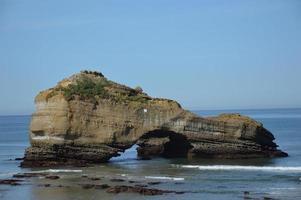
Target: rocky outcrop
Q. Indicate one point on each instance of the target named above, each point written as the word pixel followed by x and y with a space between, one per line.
pixel 89 119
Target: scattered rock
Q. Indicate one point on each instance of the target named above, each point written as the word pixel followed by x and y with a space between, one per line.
pixel 154 183
pixel 181 192
pixel 10 182
pixel 29 175
pixel 88 186
pixel 141 190
pixel 117 180
pixel 95 179
pixel 52 177
pixel 141 185
pixel 32 175
pixel 133 181
pixel 103 186
pixel 44 185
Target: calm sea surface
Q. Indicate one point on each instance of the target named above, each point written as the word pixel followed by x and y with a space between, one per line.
pixel 201 178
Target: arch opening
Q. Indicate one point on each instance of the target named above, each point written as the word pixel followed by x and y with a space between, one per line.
pixel 164 143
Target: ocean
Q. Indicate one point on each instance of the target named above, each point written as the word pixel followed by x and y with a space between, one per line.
pixel 277 178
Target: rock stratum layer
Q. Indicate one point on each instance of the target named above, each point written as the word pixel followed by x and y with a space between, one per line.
pixel 88 119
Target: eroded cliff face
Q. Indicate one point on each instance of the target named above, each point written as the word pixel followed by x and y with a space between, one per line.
pixel 89 119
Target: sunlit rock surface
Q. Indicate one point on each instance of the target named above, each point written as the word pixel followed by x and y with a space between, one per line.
pixel 89 119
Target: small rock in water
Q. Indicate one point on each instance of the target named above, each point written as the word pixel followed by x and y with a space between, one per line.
pixel 117 180
pixel 133 182
pixel 52 177
pixel 103 186
pixel 88 186
pixel 181 192
pixel 30 175
pixel 154 183
pixel 95 179
pixel 10 182
pixel 140 190
pixel 45 185
pixel 139 185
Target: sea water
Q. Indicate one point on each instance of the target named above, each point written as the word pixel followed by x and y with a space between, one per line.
pixel 278 178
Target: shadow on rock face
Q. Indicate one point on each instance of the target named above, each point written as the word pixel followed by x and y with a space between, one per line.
pixel 163 143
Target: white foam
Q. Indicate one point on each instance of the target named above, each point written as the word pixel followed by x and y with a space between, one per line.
pixel 59 171
pixel 240 168
pixel 7 174
pixel 165 178
pixel 289 188
pixel 47 138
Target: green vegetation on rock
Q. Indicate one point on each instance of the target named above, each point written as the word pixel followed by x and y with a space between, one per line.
pixel 92 86
pixel 86 89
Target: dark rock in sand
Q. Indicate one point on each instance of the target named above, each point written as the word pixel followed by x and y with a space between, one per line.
pixel 30 175
pixel 45 185
pixel 94 186
pixel 141 190
pixel 103 186
pixel 88 119
pixel 88 186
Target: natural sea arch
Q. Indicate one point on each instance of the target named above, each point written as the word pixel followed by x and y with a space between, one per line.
pixel 158 142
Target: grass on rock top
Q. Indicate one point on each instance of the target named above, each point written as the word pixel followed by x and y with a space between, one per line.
pixel 88 89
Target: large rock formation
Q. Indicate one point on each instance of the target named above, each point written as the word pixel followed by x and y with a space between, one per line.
pixel 89 119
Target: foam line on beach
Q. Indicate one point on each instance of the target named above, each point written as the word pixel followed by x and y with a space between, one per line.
pixel 240 168
pixel 165 178
pixel 59 171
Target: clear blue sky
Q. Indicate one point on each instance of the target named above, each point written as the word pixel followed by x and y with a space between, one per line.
pixel 210 54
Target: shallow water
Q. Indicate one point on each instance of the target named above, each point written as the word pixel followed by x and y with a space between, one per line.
pixel 278 178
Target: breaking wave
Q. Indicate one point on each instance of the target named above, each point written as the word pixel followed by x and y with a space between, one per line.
pixel 240 168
